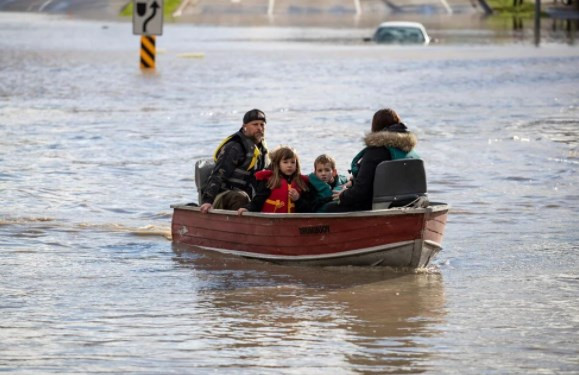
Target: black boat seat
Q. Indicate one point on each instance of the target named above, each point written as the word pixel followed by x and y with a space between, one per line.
pixel 400 183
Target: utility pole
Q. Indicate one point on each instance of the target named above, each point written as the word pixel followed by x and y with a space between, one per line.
pixel 537 22
pixel 358 7
pixel 270 7
pixel 486 7
pixel 446 6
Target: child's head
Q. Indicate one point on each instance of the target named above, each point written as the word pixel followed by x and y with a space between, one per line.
pixel 325 168
pixel 232 199
pixel 284 160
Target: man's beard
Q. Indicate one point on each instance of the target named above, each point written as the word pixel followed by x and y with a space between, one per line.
pixel 256 138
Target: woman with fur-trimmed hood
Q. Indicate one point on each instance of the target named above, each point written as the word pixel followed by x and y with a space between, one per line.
pixel 388 140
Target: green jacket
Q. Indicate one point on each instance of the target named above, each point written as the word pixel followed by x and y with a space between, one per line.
pixel 324 191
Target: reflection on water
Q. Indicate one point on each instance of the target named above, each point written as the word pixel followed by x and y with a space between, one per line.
pixel 355 318
pixel 548 30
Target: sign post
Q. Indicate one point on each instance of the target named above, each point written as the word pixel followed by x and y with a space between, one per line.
pixel 148 22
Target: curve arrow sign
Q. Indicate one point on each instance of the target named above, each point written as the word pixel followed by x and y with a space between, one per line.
pixel 154 6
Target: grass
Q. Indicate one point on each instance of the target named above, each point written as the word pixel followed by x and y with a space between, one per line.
pixel 506 8
pixel 169 7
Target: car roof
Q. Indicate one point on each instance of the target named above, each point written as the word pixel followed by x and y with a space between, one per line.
pixel 416 25
pixel 402 24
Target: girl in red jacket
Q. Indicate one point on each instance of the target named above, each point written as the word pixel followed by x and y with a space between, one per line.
pixel 281 189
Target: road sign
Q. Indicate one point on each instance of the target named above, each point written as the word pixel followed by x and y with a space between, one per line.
pixel 148 17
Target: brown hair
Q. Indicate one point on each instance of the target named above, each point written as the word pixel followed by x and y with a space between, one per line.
pixel 384 118
pixel 231 200
pixel 325 159
pixel 276 156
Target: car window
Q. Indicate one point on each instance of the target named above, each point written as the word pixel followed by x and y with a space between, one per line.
pixel 399 35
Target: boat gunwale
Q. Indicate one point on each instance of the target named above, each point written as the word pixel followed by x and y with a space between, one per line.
pixel 432 208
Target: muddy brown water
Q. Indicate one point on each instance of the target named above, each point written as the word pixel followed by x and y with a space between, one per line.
pixel 93 152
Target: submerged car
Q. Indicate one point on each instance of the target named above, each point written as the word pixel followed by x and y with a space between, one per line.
pixel 400 33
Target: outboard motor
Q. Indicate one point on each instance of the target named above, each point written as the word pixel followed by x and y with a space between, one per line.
pixel 203 169
pixel 400 183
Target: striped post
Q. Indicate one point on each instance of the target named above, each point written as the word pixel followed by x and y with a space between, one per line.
pixel 148 52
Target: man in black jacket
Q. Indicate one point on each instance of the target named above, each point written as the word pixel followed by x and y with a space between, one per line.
pixel 237 158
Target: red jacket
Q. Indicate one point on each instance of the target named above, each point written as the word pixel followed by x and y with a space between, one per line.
pixel 278 200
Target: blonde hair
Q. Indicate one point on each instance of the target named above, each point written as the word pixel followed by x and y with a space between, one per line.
pixel 277 156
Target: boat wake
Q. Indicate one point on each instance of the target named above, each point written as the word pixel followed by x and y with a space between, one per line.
pixel 45 225
pixel 147 230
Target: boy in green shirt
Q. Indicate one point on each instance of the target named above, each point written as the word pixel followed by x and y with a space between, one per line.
pixel 325 180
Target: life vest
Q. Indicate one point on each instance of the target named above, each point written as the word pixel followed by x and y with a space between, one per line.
pixel 355 165
pixel 255 160
pixel 278 200
pixel 395 153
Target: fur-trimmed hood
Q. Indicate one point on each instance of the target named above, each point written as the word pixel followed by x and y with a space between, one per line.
pixel 404 141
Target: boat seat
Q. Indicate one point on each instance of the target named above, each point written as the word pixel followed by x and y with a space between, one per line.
pixel 400 183
pixel 203 169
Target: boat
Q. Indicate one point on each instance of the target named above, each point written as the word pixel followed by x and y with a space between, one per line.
pixel 408 236
pixel 394 237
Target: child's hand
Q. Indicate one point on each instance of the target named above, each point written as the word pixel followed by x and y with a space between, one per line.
pixel 205 207
pixel 241 211
pixel 336 195
pixel 293 194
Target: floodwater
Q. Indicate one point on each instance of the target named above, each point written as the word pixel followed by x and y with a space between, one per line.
pixel 93 152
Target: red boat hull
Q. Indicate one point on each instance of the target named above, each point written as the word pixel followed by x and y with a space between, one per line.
pixel 402 237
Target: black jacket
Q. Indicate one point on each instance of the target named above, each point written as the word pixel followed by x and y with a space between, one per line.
pixel 230 171
pixel 359 196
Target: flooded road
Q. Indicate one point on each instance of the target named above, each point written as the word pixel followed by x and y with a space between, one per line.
pixel 93 152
